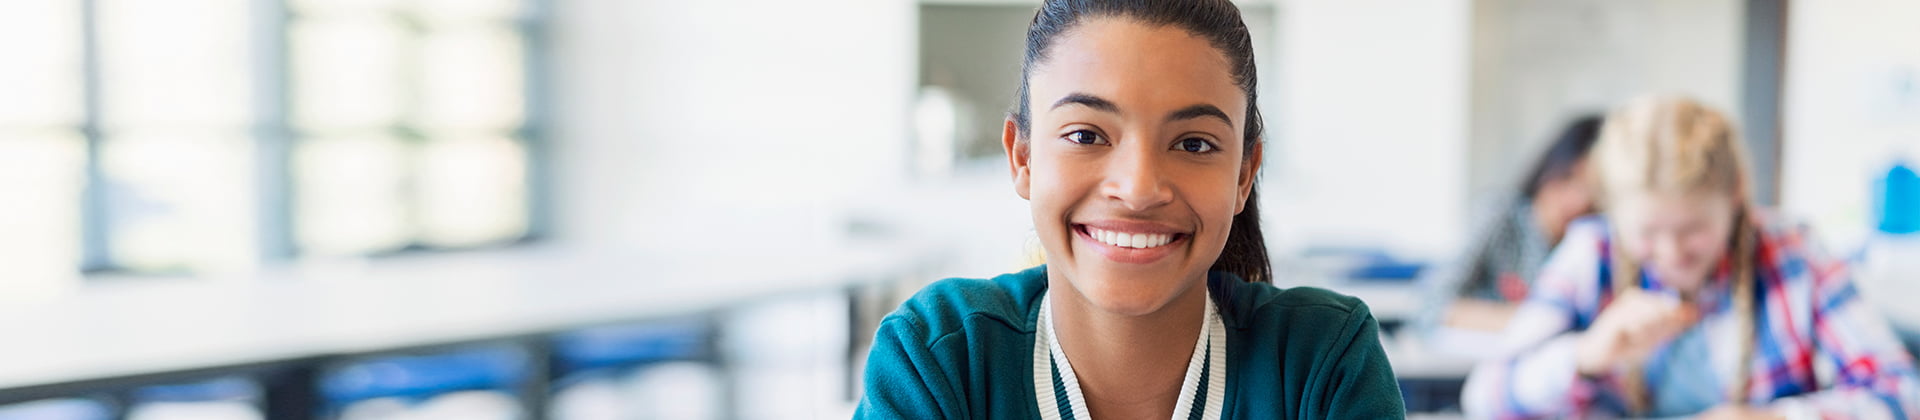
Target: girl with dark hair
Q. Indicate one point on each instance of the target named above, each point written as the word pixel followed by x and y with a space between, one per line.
pixel 1501 265
pixel 1136 139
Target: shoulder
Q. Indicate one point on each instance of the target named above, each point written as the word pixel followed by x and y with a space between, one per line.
pixel 1271 299
pixel 952 305
pixel 1582 251
pixel 1791 250
pixel 1313 339
pixel 1302 312
pixel 1590 231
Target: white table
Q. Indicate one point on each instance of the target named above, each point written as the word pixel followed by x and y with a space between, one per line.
pixel 141 327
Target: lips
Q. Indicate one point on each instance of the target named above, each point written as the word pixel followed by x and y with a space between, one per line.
pixel 1131 242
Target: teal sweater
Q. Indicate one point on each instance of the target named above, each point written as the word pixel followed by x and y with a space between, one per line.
pixel 963 349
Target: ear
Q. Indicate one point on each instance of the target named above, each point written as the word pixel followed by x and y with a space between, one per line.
pixel 1249 169
pixel 1016 157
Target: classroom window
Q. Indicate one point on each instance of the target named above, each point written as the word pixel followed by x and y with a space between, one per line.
pixel 427 101
pixel 197 136
pixel 42 150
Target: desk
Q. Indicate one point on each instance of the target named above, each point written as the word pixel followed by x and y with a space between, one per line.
pixel 1889 279
pixel 138 332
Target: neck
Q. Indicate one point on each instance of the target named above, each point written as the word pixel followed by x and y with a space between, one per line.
pixel 1129 366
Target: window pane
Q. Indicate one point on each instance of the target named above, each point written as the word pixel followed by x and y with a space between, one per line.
pixel 40 44
pixel 472 77
pixel 349 195
pixel 342 6
pixel 42 175
pixel 180 200
pixel 175 62
pixel 457 10
pixel 347 72
pixel 472 191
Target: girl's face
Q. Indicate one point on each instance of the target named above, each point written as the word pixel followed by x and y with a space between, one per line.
pixel 1560 201
pixel 1680 238
pixel 1134 163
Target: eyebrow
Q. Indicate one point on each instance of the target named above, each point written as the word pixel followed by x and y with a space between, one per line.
pixel 1101 104
pixel 1199 110
pixel 1086 100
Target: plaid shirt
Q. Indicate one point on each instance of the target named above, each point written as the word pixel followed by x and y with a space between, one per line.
pixel 1821 351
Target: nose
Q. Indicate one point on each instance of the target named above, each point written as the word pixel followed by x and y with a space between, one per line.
pixel 1135 180
pixel 1666 250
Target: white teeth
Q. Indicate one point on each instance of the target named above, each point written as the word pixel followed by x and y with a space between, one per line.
pixel 1130 240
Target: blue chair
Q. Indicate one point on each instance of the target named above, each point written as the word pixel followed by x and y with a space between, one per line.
pixel 223 389
pixel 417 378
pixel 228 398
pixel 591 362
pixel 630 345
pixel 58 409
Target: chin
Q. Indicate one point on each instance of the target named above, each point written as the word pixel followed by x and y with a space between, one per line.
pixel 1687 281
pixel 1130 292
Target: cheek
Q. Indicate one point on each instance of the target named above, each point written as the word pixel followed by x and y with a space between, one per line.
pixel 1058 185
pixel 1639 248
pixel 1705 249
pixel 1055 182
pixel 1213 198
pixel 1581 202
pixel 1574 201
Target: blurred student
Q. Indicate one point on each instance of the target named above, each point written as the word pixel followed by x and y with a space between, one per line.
pixel 1135 139
pixel 1511 249
pixel 1682 299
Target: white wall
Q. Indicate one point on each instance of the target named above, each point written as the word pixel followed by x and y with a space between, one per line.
pixel 711 124
pixel 1368 140
pixel 1538 63
pixel 1852 107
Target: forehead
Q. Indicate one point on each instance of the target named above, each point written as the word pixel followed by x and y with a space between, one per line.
pixel 1136 65
pixel 1673 208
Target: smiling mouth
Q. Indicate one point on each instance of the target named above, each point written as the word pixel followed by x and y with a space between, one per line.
pixel 1136 240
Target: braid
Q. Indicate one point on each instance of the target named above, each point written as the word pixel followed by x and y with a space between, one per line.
pixel 1626 277
pixel 1745 239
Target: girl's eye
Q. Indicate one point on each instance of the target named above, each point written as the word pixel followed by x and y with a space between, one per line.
pixel 1085 137
pixel 1194 145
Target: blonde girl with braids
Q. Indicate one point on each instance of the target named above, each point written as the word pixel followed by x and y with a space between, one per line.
pixel 1682 299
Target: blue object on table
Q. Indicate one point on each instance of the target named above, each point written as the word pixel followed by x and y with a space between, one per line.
pixel 425 376
pixel 1367 263
pixel 57 409
pixel 1381 266
pixel 1391 271
pixel 631 344
pixel 223 389
pixel 1900 201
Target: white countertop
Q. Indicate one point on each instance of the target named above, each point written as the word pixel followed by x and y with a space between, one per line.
pixel 121 328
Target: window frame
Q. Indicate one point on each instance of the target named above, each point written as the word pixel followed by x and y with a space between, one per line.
pixel 274 136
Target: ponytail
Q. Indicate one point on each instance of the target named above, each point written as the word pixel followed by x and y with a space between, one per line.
pixel 1246 252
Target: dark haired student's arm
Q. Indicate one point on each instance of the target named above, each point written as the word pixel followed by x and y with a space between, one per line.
pixel 903 380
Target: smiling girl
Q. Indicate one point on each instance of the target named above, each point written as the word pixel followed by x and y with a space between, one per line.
pixel 1136 139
